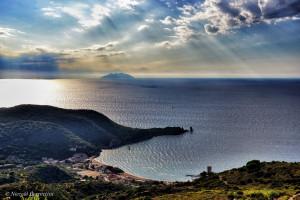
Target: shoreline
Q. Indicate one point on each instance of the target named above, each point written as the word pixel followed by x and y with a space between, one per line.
pixel 125 173
pixel 99 170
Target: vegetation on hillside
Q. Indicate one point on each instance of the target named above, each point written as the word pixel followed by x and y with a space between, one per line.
pixel 30 132
pixel 270 180
pixel 48 174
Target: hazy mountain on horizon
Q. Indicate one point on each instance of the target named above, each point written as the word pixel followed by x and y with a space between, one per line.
pixel 117 76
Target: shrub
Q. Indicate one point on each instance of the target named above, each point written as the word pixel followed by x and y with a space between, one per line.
pixel 274 195
pixel 230 196
pixel 203 174
pixel 253 166
pixel 249 181
pixel 258 196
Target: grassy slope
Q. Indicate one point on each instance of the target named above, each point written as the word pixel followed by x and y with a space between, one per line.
pixel 256 180
pixel 206 187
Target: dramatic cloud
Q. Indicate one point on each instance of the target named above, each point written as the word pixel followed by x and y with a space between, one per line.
pixel 222 16
pixel 45 59
pixel 274 9
pixel 156 36
pixel 90 15
pixel 86 15
pixel 127 4
pixel 34 63
pixel 97 50
pixel 211 28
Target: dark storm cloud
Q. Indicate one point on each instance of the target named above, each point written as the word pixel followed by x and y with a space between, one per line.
pixel 220 16
pixel 33 63
pixel 284 9
pixel 210 28
pixel 246 13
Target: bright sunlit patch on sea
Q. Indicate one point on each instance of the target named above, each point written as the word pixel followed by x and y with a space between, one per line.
pixel 27 91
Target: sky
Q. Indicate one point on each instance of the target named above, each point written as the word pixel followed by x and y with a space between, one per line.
pixel 168 38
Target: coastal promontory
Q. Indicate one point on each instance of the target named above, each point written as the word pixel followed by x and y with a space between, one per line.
pixel 32 132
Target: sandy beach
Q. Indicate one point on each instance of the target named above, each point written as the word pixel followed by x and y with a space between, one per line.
pixel 95 170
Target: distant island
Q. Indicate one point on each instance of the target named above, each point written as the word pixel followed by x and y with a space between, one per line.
pixel 117 76
pixel 31 132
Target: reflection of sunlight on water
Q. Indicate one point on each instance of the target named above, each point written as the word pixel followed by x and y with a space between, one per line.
pixel 27 91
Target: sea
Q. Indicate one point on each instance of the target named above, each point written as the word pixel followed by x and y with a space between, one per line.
pixel 234 120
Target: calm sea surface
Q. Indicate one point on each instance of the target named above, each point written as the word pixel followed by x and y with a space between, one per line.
pixel 234 121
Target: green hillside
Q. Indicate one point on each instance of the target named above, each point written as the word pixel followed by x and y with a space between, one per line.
pixel 31 132
pixel 48 174
pixel 281 184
